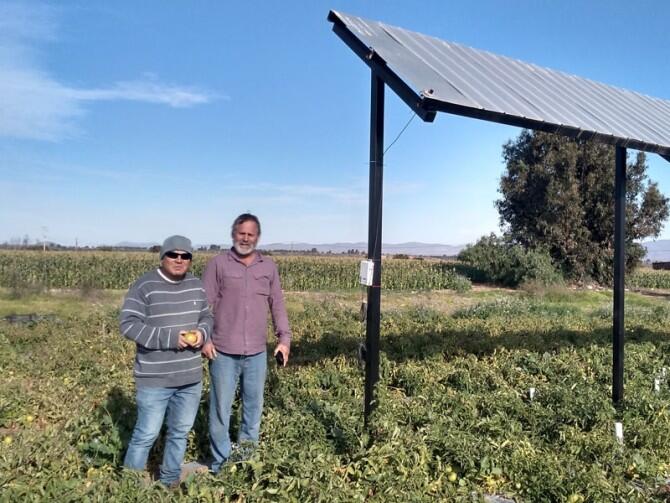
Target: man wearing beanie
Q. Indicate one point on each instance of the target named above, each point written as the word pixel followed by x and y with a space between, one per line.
pixel 166 315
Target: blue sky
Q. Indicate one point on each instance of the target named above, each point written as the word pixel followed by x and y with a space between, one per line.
pixel 131 121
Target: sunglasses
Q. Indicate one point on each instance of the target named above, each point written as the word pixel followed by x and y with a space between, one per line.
pixel 175 255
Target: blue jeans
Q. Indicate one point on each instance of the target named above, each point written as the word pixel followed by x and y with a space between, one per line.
pixel 181 404
pixel 224 371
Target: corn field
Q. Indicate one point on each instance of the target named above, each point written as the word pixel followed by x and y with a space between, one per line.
pixel 649 278
pixel 117 270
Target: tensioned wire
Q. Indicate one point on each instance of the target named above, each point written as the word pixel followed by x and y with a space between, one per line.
pixel 383 154
pixel 363 317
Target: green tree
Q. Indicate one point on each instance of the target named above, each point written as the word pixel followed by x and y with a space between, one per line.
pixel 558 195
pixel 494 260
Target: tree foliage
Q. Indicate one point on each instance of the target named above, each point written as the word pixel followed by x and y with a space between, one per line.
pixel 493 259
pixel 558 194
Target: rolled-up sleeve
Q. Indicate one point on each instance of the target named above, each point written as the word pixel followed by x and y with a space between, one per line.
pixel 278 310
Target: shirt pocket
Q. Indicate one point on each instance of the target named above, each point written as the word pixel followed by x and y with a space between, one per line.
pixel 233 280
pixel 230 286
pixel 261 283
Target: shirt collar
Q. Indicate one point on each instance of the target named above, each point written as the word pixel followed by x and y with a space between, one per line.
pixel 162 275
pixel 233 256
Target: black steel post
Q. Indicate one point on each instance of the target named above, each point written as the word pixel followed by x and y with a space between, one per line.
pixel 619 270
pixel 374 241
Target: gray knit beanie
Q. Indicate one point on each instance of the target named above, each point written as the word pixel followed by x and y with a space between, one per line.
pixel 176 243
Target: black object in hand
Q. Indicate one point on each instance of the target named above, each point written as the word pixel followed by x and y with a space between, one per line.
pixel 280 358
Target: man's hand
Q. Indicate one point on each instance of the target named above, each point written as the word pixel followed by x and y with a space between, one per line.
pixel 209 351
pixel 284 350
pixel 186 339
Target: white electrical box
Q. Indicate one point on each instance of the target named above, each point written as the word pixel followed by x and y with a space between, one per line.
pixel 367 270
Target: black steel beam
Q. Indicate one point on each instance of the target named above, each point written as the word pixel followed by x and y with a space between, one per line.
pixel 523 122
pixel 374 242
pixel 379 67
pixel 619 270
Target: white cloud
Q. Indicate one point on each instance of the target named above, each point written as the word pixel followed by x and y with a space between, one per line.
pixel 354 194
pixel 35 105
pixel 288 193
pixel 147 91
pixel 20 22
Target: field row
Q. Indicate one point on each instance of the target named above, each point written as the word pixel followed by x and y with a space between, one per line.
pixel 116 270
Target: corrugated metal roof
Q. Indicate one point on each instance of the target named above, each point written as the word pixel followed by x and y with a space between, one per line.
pixel 434 75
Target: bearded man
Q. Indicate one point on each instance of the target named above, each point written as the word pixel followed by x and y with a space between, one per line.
pixel 241 286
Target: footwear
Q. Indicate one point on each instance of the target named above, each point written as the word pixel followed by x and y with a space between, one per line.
pixel 172 486
pixel 242 451
pixel 191 468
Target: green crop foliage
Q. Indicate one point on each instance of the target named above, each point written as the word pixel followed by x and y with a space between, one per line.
pixel 648 278
pixel 116 270
pixel 453 399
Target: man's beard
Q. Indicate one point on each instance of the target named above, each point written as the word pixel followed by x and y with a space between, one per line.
pixel 243 250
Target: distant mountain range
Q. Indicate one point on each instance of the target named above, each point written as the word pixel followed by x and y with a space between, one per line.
pixel 411 248
pixel 657 251
pixel 131 244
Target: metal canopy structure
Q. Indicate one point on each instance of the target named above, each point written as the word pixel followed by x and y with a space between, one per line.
pixel 431 75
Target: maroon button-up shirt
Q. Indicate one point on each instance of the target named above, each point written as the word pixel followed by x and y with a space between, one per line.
pixel 240 296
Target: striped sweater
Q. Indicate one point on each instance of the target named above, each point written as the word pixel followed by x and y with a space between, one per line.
pixel 154 311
